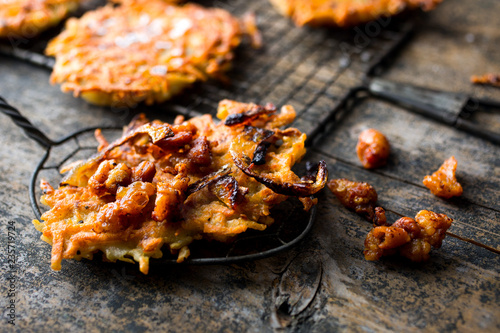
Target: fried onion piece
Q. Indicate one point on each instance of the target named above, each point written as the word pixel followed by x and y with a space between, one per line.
pixel 247 117
pixel 226 189
pixel 28 18
pixel 443 182
pixel 411 238
pixel 183 135
pixel 275 172
pixel 108 177
pixel 300 188
pixel 80 174
pixel 163 185
pixel 259 155
pixel 170 193
pixel 345 13
pixel 273 179
pixel 208 179
pixel 360 197
pixel 143 51
pixel 259 136
pixel 199 153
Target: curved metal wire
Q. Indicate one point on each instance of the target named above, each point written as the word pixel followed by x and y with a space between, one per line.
pixel 28 128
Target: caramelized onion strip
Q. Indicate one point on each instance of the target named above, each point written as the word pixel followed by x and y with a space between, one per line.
pixel 246 117
pixel 259 136
pixel 207 180
pixel 299 189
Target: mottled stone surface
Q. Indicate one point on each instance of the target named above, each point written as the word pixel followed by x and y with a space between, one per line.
pixel 324 284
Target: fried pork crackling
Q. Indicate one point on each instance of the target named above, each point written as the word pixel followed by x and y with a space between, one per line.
pixel 163 185
pixel 443 183
pixel 408 237
pixel 345 13
pixel 28 18
pixel 143 51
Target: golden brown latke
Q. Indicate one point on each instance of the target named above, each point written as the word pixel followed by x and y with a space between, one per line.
pixel 345 13
pixel 142 51
pixel 168 185
pixel 28 18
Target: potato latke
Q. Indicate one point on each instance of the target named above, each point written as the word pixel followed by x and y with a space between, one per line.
pixel 169 185
pixel 142 51
pixel 28 18
pixel 345 13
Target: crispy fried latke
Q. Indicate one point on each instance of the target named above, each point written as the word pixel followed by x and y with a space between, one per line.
pixel 143 51
pixel 345 13
pixel 168 185
pixel 28 18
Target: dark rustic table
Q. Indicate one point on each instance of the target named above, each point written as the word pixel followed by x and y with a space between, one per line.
pixel 324 284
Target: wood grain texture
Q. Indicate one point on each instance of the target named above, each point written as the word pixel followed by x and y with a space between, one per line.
pixel 324 284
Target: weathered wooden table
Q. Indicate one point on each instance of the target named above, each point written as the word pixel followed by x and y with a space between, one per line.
pixel 324 284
